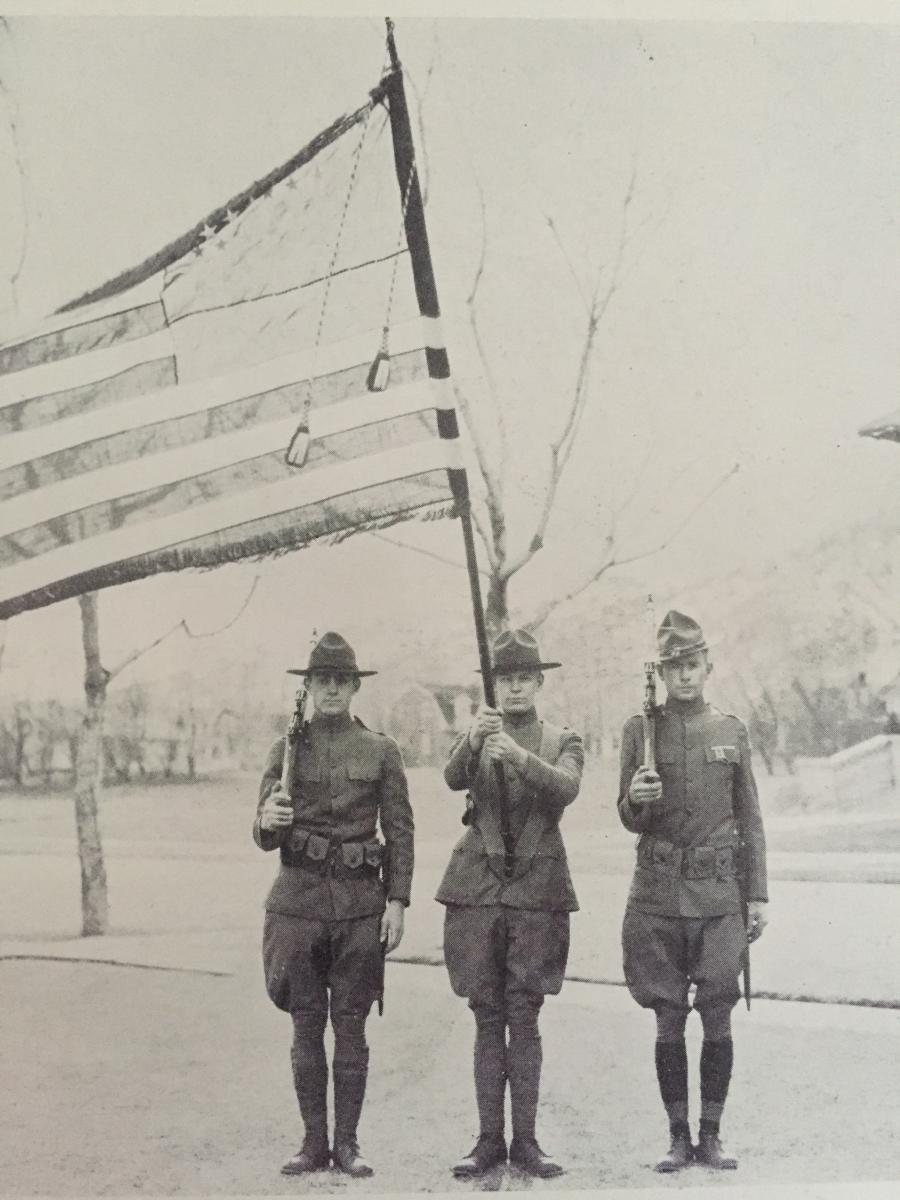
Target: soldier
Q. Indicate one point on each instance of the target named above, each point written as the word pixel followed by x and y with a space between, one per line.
pixel 506 931
pixel 327 926
pixel 699 823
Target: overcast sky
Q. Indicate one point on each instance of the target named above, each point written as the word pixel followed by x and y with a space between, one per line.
pixel 757 314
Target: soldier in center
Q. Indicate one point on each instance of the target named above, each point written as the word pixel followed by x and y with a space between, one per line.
pixel 506 932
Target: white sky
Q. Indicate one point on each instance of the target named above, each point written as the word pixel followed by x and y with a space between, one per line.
pixel 758 313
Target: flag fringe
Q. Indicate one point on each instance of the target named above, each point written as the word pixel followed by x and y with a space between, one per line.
pixel 256 548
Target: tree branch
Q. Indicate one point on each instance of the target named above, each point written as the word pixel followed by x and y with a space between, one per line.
pixel 182 625
pixel 612 561
pixel 581 292
pixel 447 562
pixel 12 107
pixel 561 447
pixel 421 97
pixel 471 306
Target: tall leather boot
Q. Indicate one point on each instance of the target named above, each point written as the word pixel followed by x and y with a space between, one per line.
pixel 716 1062
pixel 490 1093
pixel 310 1071
pixel 350 1070
pixel 524 1059
pixel 672 1075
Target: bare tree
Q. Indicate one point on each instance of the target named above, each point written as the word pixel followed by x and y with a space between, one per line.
pixel 89 761
pixel 507 556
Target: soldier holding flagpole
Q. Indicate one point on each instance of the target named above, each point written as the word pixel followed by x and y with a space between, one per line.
pixel 508 896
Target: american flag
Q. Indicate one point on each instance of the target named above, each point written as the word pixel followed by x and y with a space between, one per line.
pixel 144 427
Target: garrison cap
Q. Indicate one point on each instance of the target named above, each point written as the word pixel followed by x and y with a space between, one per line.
pixel 331 653
pixel 678 636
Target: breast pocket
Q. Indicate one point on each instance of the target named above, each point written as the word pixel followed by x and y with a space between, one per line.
pixel 363 775
pixel 306 780
pixel 721 763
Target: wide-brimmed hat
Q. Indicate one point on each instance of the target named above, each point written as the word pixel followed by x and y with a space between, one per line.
pixel 331 653
pixel 517 650
pixel 679 636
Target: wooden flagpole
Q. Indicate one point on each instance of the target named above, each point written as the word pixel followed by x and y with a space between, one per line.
pixel 439 368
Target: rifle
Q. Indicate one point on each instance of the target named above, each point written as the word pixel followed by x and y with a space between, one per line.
pixel 648 709
pixel 745 917
pixel 293 737
pixel 295 730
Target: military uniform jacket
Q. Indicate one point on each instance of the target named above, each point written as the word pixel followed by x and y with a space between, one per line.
pixel 707 827
pixel 347 782
pixel 537 800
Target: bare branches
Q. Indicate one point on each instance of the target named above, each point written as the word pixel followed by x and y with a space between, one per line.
pixel 421 97
pixel 568 261
pixel 13 116
pixel 609 560
pixel 561 447
pixel 496 482
pixel 182 625
pixel 447 562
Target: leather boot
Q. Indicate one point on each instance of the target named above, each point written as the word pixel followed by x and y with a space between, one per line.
pixel 310 1073
pixel 708 1152
pixel 313 1155
pixel 527 1155
pixel 524 1058
pixel 488 1152
pixel 349 1092
pixel 679 1155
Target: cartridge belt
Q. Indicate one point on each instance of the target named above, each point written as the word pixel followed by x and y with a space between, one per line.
pixel 325 856
pixel 687 862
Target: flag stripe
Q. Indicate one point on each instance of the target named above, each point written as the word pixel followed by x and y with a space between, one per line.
pixel 179 495
pixel 159 470
pixel 83 369
pixel 384 504
pixel 231 511
pixel 168 403
pixel 60 406
pixel 171 434
pixel 120 318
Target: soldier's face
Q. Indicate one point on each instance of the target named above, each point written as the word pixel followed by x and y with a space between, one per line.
pixel 516 692
pixel 332 692
pixel 686 677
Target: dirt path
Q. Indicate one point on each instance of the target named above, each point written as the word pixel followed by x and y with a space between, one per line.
pixel 127 1081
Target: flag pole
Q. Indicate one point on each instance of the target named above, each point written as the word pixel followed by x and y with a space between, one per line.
pixel 439 368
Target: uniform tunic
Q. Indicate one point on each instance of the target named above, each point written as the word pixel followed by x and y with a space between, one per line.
pixel 501 931
pixel 693 844
pixel 323 909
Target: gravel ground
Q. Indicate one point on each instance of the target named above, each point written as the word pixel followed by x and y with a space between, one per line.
pixel 135 1081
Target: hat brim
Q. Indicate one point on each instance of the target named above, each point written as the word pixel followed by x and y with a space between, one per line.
pixel 549 666
pixel 336 670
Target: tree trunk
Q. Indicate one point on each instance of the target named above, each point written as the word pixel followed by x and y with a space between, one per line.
pixel 496 612
pixel 88 763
